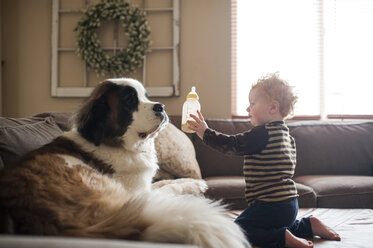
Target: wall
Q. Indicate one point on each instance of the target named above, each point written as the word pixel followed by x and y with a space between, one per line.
pixel 204 58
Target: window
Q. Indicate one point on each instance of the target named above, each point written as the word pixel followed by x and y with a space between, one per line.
pixel 321 47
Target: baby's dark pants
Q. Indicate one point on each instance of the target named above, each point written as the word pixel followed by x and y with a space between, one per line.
pixel 265 223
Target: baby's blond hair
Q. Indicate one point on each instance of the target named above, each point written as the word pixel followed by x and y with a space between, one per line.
pixel 279 90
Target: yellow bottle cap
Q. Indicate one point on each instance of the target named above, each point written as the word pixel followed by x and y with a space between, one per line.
pixel 193 93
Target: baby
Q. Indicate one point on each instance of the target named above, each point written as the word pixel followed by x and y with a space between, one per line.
pixel 269 162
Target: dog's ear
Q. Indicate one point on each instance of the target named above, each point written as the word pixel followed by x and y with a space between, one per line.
pixel 91 119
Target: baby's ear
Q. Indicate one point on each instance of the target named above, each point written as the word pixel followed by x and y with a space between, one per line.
pixel 275 106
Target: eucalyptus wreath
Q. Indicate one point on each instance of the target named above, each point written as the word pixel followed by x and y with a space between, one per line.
pixel 135 26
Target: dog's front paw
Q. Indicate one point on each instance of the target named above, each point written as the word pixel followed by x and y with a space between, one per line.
pixel 192 186
pixel 202 185
pixel 182 186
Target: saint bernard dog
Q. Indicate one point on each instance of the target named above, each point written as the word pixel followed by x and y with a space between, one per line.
pixel 95 181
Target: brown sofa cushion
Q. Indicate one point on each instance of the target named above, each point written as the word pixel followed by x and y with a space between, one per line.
pixel 225 187
pixel 340 191
pixel 231 189
pixel 21 135
pixel 212 162
pixel 307 196
pixel 343 148
pixel 216 163
pixel 334 147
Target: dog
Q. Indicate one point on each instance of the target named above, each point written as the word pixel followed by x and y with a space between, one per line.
pixel 95 181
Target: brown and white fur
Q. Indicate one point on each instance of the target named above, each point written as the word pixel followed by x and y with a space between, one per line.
pixel 95 180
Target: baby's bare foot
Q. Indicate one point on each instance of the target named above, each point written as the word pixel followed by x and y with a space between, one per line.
pixel 292 241
pixel 325 232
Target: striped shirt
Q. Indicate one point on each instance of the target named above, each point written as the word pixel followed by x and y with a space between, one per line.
pixel 269 160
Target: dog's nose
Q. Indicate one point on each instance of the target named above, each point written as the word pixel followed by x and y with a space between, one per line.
pixel 158 107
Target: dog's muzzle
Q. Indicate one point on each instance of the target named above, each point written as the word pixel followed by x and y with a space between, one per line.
pixel 158 109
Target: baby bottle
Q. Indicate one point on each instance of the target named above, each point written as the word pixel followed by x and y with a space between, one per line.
pixel 191 105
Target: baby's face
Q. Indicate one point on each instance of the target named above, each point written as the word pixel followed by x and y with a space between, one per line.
pixel 259 109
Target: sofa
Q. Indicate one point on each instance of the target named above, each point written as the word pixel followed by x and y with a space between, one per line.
pixel 334 168
pixel 334 159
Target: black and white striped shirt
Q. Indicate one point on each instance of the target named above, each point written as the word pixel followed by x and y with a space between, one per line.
pixel 269 160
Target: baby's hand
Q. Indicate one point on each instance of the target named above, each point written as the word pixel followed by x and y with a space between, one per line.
pixel 198 125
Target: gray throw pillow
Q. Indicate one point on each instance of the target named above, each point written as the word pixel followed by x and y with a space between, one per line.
pixel 19 136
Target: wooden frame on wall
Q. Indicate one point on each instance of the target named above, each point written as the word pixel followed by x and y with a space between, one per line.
pixel 83 87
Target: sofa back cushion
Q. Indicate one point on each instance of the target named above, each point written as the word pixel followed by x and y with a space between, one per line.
pixel 344 148
pixel 64 120
pixel 212 162
pixel 18 136
pixel 334 147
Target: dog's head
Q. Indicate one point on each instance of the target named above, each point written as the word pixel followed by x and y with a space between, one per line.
pixel 118 108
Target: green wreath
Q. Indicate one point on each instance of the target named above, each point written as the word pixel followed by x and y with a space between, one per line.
pixel 134 25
